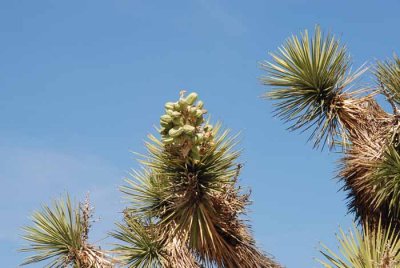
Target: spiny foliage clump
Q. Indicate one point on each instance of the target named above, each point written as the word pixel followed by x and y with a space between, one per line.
pixel 378 248
pixel 186 207
pixel 312 86
pixel 60 234
pixel 309 77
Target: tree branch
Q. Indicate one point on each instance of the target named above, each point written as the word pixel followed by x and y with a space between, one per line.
pixel 389 98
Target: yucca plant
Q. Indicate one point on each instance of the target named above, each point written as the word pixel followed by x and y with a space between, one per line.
pixel 313 87
pixel 59 234
pixel 366 248
pixel 186 207
pixel 309 77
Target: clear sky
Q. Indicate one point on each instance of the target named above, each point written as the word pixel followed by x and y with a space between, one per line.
pixel 83 82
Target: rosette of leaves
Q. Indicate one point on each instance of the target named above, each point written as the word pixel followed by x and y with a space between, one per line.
pixel 388 75
pixel 384 180
pixel 144 246
pixel 366 248
pixel 188 190
pixel 308 77
pixel 60 235
pixel 141 247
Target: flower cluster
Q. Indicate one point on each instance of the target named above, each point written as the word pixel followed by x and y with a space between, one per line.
pixel 183 128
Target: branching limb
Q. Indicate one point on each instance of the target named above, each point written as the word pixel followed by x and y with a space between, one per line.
pixel 389 98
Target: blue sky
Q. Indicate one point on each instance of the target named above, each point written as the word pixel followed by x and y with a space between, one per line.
pixel 83 82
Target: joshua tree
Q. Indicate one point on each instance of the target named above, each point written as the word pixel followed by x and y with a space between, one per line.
pixel 60 234
pixel 312 86
pixel 186 206
pixel 186 209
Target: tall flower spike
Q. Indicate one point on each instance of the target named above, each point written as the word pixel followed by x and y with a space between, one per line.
pixel 181 127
